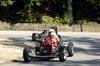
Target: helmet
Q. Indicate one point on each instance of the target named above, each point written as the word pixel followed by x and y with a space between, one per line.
pixel 52 32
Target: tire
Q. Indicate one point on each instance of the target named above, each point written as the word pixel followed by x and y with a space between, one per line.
pixel 26 56
pixel 70 49
pixel 33 36
pixel 62 54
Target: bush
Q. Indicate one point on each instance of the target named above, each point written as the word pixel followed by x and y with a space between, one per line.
pixel 83 21
pixel 57 20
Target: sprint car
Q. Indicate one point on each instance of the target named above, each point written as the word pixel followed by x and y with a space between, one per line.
pixel 42 47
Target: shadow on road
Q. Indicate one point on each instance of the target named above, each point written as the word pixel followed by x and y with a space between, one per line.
pixel 94 44
pixel 95 62
pixel 15 41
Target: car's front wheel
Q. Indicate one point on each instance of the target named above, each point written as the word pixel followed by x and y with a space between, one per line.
pixel 26 56
pixel 62 54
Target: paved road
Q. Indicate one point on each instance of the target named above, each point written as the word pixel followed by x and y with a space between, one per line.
pixel 87 49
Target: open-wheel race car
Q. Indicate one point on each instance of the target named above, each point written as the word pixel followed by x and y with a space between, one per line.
pixel 47 45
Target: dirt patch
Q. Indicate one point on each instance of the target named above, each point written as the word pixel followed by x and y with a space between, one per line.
pixel 10 53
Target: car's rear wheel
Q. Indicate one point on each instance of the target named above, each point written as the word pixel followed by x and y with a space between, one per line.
pixel 62 54
pixel 70 49
pixel 33 36
pixel 26 56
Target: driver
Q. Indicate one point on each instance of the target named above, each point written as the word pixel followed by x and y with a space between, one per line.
pixel 53 36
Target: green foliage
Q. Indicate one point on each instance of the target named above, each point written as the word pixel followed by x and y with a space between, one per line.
pixel 6 3
pixel 55 11
pixel 61 20
pixel 29 19
pixel 83 21
pixel 98 19
pixel 96 2
pixel 32 2
pixel 65 18
pixel 57 20
pixel 46 19
pixel 28 6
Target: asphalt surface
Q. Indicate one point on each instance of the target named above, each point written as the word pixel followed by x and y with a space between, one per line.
pixel 86 45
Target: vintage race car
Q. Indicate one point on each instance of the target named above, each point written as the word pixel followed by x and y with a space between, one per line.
pixel 43 47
